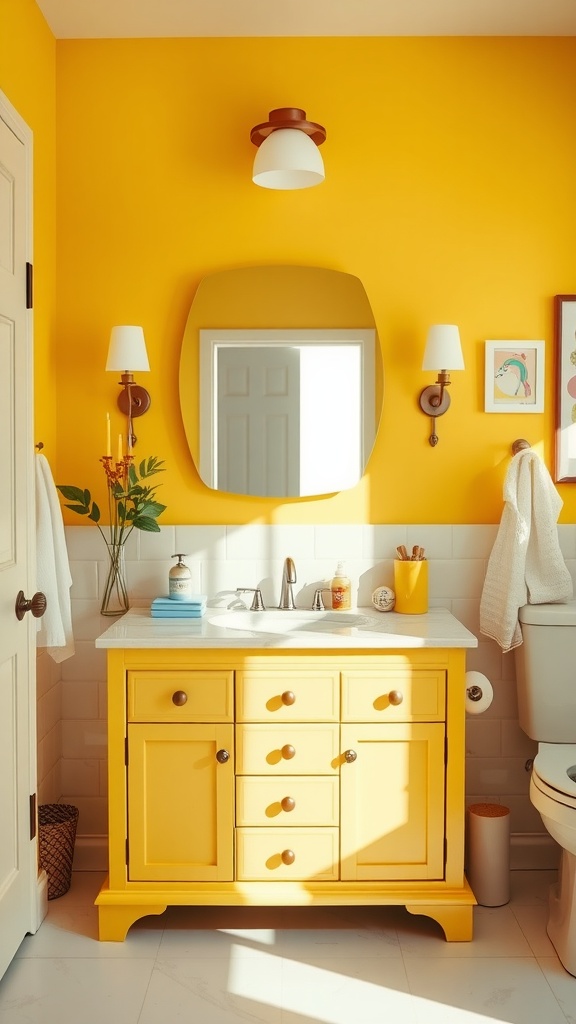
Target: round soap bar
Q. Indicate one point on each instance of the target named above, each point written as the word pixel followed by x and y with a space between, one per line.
pixel 383 599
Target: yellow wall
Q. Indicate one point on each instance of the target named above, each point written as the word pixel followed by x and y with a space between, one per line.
pixel 28 79
pixel 449 193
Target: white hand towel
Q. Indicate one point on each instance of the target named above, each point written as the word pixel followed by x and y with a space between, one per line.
pixel 526 565
pixel 52 567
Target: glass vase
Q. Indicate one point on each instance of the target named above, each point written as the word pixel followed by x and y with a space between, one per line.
pixel 115 597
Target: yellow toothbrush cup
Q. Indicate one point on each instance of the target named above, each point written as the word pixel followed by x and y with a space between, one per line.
pixel 411 586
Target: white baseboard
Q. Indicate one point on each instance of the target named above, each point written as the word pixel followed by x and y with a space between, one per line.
pixel 91 853
pixel 533 851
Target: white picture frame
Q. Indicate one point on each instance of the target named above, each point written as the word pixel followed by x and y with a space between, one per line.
pixel 514 376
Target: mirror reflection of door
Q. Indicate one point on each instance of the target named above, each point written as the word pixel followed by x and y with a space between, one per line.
pixel 285 413
pixel 257 448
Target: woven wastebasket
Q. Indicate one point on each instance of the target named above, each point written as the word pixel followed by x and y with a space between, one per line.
pixel 56 836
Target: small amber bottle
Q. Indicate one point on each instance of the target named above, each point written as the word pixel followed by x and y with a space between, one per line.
pixel 341 589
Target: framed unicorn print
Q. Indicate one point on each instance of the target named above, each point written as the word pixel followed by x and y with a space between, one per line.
pixel 514 380
pixel 565 333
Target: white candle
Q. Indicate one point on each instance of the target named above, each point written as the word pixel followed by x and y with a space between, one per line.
pixel 119 447
pixel 108 443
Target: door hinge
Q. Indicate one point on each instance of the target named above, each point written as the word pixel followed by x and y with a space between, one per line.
pixel 29 286
pixel 33 815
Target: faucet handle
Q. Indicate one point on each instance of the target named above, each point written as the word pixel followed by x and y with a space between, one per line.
pixel 257 602
pixel 318 604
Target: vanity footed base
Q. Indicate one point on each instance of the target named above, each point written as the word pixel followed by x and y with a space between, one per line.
pixel 119 909
pixel 456 922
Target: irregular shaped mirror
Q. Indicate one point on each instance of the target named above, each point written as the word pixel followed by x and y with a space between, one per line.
pixel 280 381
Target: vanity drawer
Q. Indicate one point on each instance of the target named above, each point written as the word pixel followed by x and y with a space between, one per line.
pixel 312 696
pixel 394 695
pixel 293 749
pixel 187 696
pixel 287 803
pixel 296 854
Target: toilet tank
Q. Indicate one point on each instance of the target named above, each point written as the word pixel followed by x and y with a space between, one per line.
pixel 546 672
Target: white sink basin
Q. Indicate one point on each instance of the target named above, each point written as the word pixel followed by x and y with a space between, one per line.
pixel 280 622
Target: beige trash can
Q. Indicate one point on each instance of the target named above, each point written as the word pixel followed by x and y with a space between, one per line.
pixel 489 853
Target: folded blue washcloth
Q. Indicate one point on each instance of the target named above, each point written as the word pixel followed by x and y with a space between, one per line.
pixel 194 601
pixel 174 614
pixel 159 613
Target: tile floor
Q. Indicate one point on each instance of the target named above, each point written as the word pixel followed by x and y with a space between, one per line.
pixel 290 966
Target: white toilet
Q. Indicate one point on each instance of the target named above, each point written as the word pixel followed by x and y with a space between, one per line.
pixel 546 680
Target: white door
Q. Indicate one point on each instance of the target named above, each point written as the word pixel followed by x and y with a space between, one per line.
pixel 259 420
pixel 17 663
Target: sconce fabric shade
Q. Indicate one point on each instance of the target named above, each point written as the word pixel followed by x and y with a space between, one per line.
pixel 127 349
pixel 288 159
pixel 443 349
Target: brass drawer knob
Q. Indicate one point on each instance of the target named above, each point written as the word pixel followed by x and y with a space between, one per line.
pixel 288 751
pixel 288 803
pixel 288 856
pixel 222 756
pixel 179 698
pixel 350 756
pixel 395 697
pixel 288 697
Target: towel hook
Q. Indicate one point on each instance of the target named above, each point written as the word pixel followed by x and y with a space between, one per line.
pixel 519 445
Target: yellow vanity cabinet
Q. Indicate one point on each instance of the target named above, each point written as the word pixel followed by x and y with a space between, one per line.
pixel 311 777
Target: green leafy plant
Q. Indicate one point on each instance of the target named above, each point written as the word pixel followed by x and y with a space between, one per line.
pixel 132 505
pixel 131 502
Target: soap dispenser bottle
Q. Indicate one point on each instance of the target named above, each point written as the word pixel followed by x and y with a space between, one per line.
pixel 341 589
pixel 179 580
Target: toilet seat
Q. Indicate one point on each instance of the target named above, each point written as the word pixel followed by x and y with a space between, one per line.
pixel 550 772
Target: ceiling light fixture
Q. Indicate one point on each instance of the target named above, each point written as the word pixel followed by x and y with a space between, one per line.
pixel 288 155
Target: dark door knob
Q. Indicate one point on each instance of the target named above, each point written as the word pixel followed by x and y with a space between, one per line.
pixel 36 605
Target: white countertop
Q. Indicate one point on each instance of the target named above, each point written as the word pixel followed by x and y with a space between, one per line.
pixel 375 631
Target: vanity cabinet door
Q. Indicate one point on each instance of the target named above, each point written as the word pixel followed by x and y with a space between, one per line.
pixel 392 802
pixel 180 802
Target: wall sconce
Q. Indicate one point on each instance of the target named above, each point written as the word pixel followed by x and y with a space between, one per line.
pixel 288 155
pixel 127 353
pixel 443 353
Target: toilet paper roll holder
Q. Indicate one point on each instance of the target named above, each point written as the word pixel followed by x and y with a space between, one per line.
pixel 475 693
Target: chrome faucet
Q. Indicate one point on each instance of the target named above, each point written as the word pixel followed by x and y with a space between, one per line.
pixel 288 578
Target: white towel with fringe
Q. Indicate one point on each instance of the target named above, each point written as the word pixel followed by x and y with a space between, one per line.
pixel 52 567
pixel 526 565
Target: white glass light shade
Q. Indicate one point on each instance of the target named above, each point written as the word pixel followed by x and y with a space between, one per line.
pixel 127 350
pixel 288 159
pixel 443 348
